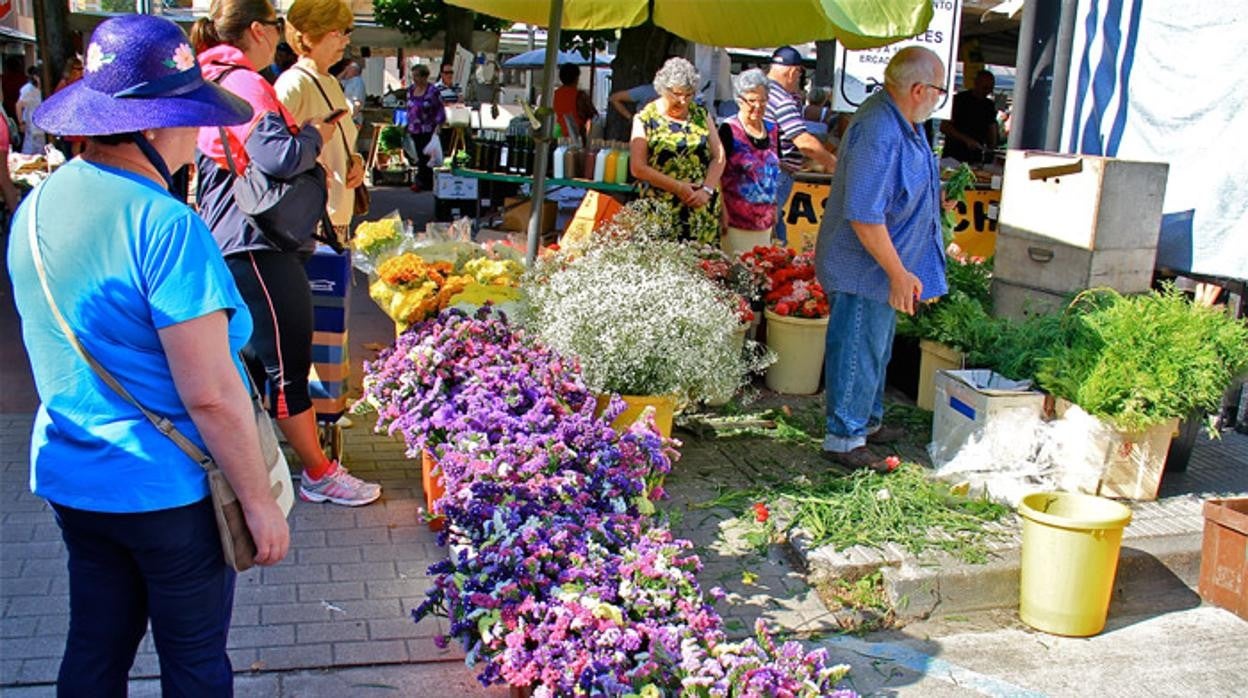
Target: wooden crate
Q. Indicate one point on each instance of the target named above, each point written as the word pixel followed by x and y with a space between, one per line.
pixel 1085 201
pixel 1224 555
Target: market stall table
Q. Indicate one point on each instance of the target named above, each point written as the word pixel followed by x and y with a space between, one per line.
pixel 552 185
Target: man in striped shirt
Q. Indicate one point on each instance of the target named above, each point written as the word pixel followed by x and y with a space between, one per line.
pixel 785 108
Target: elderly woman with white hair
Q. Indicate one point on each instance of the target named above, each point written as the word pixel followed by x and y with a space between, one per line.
pixel 676 154
pixel 752 171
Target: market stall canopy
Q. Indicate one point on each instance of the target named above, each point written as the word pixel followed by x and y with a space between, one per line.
pixel 537 58
pixel 856 25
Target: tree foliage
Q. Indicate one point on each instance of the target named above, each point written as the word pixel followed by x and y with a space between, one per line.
pixel 422 19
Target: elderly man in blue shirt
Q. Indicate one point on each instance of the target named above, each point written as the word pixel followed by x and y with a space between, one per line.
pixel 879 249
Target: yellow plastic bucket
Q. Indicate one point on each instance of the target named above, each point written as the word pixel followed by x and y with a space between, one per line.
pixel 664 409
pixel 1070 556
pixel 798 343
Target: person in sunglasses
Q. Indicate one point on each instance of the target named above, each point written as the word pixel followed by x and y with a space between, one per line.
pixel 234 39
pixel 445 84
pixel 320 31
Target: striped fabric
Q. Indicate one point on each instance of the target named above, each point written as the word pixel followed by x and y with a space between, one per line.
pixel 784 109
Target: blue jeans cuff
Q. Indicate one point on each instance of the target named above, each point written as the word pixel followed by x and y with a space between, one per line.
pixel 842 444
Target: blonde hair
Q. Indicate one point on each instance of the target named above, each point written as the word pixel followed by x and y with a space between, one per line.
pixel 308 21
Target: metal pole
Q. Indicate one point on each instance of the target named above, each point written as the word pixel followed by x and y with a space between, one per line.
pixel 1023 66
pixel 1061 76
pixel 542 154
pixel 528 74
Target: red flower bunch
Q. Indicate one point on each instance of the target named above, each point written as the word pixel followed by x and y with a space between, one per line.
pixel 791 286
pixel 761 513
pixel 732 276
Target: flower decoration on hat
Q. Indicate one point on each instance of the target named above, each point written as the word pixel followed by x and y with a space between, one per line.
pixel 96 58
pixel 183 58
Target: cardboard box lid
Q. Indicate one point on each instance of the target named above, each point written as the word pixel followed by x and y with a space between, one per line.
pixel 990 382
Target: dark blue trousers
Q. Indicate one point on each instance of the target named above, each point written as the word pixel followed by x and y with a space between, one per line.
pixel 126 569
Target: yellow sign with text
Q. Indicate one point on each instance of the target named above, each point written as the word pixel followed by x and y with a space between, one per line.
pixel 803 212
pixel 974 227
pixel 975 222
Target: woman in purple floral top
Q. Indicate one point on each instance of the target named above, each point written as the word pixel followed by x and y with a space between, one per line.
pixel 425 114
pixel 749 181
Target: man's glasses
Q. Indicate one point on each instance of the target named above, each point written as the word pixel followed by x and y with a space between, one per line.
pixel 938 88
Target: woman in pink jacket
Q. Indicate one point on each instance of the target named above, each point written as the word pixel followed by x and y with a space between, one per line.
pixel 235 37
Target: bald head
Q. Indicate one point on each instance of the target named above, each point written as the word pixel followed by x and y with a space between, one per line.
pixel 915 79
pixel 913 64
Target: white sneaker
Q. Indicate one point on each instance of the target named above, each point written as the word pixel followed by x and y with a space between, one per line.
pixel 338 486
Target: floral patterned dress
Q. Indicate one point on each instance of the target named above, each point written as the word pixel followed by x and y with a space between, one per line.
pixel 681 149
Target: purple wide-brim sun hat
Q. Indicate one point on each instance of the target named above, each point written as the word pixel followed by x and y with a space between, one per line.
pixel 139 73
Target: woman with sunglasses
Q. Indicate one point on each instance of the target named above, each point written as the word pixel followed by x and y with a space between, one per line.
pixel 234 39
pixel 319 31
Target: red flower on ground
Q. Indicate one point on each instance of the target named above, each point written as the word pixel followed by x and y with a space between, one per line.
pixel 761 514
pixel 892 462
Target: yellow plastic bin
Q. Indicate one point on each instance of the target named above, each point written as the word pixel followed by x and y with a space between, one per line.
pixel 1070 557
pixel 798 343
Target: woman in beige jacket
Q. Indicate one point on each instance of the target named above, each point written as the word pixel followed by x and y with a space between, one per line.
pixel 319 31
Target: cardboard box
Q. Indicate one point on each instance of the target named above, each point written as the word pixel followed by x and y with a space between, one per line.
pixel 448 186
pixel 966 400
pixel 1084 201
pixel 1132 461
pixel 516 213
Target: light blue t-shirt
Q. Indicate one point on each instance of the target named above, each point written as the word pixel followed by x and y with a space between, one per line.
pixel 124 258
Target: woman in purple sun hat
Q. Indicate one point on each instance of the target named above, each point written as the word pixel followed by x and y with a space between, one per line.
pixel 140 283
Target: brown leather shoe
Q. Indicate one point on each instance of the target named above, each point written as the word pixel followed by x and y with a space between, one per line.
pixel 887 434
pixel 860 458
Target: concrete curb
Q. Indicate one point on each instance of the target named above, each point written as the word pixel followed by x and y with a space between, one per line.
pixel 939 585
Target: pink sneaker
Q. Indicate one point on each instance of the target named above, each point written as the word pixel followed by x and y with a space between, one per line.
pixel 340 487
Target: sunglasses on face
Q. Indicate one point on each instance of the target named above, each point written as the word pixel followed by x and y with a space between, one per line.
pixel 279 23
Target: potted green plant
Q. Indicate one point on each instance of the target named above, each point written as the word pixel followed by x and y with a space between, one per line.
pixel 1140 364
pixel 950 328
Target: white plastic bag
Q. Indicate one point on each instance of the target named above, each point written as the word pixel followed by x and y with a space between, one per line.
pixel 434 151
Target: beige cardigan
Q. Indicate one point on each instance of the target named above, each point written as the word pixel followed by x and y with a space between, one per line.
pixel 300 96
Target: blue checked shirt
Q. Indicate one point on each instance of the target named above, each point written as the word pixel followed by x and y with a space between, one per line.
pixel 885 173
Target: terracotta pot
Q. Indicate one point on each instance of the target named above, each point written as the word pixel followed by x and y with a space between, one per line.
pixel 431 483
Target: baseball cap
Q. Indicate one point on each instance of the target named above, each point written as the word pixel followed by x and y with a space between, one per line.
pixel 786 55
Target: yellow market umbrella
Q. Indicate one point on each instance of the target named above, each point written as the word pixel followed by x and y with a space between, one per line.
pixel 856 24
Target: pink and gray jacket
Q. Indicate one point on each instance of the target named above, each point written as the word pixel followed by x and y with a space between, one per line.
pixel 271 140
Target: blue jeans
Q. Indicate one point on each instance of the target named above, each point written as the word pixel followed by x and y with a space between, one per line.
pixel 859 344
pixel 784 186
pixel 126 568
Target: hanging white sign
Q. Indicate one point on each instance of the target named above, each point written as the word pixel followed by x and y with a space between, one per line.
pixel 860 73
